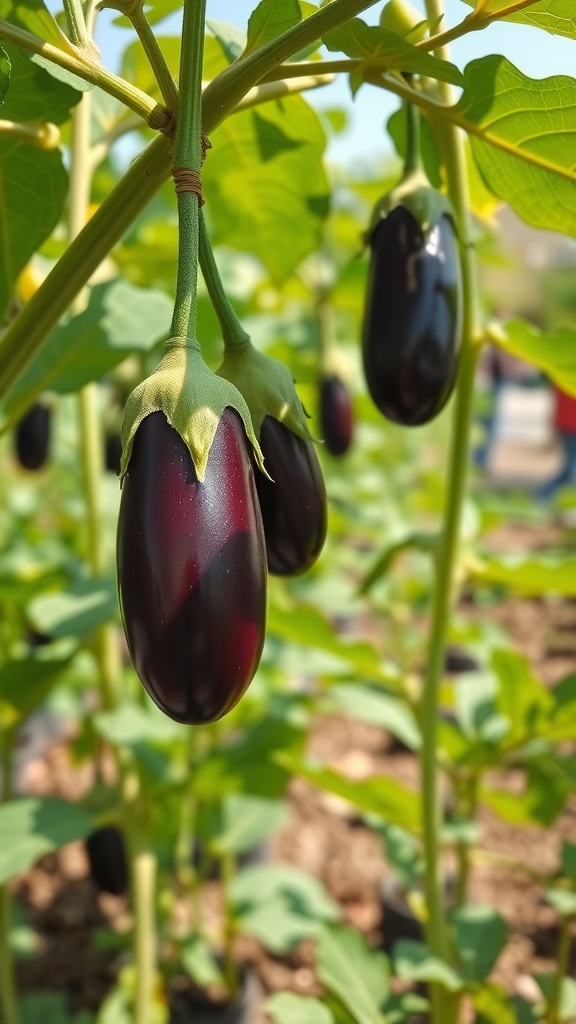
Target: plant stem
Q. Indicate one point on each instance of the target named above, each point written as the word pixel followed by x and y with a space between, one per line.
pixel 156 59
pixel 91 71
pixel 45 136
pixel 413 160
pixel 277 90
pixel 78 28
pixel 233 333
pixel 143 861
pixel 444 1008
pixel 562 970
pixel 188 156
pixel 473 22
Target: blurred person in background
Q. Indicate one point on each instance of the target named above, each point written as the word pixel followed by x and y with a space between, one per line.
pixel 565 427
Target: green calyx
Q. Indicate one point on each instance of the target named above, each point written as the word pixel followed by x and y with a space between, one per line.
pixel 416 194
pixel 267 386
pixel 192 398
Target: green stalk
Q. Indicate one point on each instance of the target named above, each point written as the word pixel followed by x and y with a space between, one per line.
pixel 143 861
pixel 413 162
pixel 156 59
pixel 562 969
pixel 188 156
pixel 444 1007
pixel 8 997
pixel 233 333
pixel 44 136
pixel 79 33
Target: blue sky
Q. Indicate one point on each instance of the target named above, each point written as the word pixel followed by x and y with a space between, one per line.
pixel 535 52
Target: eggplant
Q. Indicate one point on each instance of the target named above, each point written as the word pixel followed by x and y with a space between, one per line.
pixel 336 422
pixel 32 438
pixel 107 858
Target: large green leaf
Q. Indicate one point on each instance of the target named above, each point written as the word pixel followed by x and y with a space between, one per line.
pixel 556 16
pixel 521 697
pixel 34 16
pixel 242 820
pixel 357 974
pixel 32 827
pixel 523 134
pixel 77 611
pixel 269 20
pixel 34 95
pixel 381 795
pixel 118 320
pixel 265 184
pixel 33 187
pixel 370 705
pixel 552 351
pixel 415 963
pixel 372 43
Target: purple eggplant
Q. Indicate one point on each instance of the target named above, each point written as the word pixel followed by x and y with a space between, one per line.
pixel 336 421
pixel 192 569
pixel 32 440
pixel 293 503
pixel 107 858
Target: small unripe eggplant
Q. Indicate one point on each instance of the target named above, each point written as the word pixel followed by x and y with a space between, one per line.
pixel 32 440
pixel 293 503
pixel 192 569
pixel 412 321
pixel 107 858
pixel 336 422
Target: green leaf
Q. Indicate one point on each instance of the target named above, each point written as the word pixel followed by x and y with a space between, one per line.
pixel 414 962
pixel 563 901
pixel 392 52
pixel 263 175
pixel 376 708
pixel 530 574
pixel 231 39
pixel 353 971
pixel 32 827
pixel 269 20
pixel 5 68
pixel 568 860
pixel 24 684
pixel 523 134
pixel 77 611
pixel 198 960
pixel 379 795
pixel 567 996
pixel 551 351
pixel 521 697
pixel 290 1008
pixel 245 821
pixel 412 540
pixel 34 95
pixel 34 16
pixel 245 766
pixel 480 934
pixel 305 624
pixel 33 187
pixel 494 1006
pixel 119 319
pixel 132 724
pixel 50 1008
pixel 556 16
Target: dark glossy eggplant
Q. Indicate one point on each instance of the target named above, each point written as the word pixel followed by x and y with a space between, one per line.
pixel 412 320
pixel 192 569
pixel 293 503
pixel 32 440
pixel 336 421
pixel 107 858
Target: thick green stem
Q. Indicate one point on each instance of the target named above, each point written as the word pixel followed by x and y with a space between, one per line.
pixel 188 158
pixel 144 894
pixel 44 136
pixel 413 160
pixel 79 32
pixel 233 333
pixel 446 564
pixel 156 58
pixel 562 970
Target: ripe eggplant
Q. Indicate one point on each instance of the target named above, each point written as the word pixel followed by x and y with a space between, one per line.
pixel 107 859
pixel 32 440
pixel 293 503
pixel 192 569
pixel 412 321
pixel 335 415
